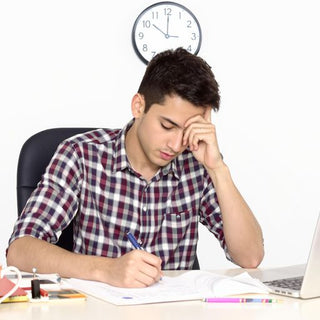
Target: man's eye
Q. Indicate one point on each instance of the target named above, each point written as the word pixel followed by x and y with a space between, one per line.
pixel 165 127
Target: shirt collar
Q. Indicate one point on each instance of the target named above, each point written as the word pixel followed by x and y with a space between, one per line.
pixel 121 162
pixel 171 167
pixel 120 159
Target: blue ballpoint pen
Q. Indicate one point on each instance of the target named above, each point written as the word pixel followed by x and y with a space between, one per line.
pixel 134 241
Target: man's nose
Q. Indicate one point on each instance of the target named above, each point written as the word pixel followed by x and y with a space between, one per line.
pixel 175 142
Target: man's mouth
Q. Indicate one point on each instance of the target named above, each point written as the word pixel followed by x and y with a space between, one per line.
pixel 166 156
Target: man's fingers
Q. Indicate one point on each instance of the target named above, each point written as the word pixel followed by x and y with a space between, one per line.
pixel 136 269
pixel 195 119
pixel 196 133
pixel 147 279
pixel 147 268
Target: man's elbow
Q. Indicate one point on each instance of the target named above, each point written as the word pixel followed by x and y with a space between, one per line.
pixel 253 261
pixel 249 261
pixel 11 254
pixel 17 252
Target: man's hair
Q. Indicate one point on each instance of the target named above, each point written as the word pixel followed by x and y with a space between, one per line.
pixel 178 72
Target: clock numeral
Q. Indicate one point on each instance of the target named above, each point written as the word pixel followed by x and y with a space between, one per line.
pixel 146 23
pixel 194 36
pixel 189 23
pixel 189 48
pixel 140 35
pixel 167 11
pixel 155 15
pixel 145 48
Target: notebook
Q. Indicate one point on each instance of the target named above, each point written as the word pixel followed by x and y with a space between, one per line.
pixel 307 285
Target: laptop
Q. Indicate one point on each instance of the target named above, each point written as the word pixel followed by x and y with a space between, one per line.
pixel 304 286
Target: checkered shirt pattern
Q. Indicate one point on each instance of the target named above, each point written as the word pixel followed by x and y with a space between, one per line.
pixel 90 181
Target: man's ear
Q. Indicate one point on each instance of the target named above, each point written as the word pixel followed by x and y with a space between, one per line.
pixel 137 105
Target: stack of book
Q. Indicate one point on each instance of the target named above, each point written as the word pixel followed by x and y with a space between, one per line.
pixel 19 295
pixel 51 288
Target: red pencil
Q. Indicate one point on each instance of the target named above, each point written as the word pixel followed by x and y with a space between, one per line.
pixel 43 292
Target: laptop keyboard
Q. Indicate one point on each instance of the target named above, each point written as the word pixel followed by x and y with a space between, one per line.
pixel 289 283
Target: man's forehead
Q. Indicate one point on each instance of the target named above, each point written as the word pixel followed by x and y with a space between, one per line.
pixel 177 110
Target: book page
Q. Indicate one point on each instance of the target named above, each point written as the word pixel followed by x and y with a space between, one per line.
pixel 191 285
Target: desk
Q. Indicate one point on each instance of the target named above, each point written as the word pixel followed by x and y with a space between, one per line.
pixel 94 309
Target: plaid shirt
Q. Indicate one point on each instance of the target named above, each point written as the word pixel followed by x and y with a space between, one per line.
pixel 90 180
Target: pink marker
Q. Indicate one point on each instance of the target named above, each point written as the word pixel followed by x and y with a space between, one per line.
pixel 239 300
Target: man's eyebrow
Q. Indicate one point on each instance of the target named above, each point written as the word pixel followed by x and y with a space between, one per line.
pixel 171 121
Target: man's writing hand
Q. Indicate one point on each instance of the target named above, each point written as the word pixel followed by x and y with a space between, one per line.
pixel 136 269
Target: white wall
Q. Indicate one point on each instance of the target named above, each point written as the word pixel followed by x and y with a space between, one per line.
pixel 71 63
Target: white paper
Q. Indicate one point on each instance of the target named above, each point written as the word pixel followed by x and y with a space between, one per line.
pixel 27 277
pixel 191 285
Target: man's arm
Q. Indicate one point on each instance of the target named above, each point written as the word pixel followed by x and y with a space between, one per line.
pixel 242 232
pixel 134 269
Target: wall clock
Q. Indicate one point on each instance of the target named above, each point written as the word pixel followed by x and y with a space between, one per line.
pixel 165 25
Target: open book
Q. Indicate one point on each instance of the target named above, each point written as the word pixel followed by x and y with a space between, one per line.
pixel 191 285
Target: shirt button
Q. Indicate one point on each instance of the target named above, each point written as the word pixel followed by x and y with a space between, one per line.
pixel 144 209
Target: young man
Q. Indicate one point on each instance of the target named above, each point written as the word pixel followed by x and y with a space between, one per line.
pixel 156 178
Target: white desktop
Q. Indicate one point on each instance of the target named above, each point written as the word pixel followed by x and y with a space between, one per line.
pixel 93 308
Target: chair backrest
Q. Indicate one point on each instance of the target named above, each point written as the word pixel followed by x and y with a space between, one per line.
pixel 34 157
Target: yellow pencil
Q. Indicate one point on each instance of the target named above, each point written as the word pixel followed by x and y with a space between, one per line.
pixel 16 299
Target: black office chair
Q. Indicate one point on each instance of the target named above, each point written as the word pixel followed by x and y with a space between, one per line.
pixel 34 157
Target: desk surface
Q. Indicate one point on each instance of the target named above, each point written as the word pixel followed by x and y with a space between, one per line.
pixel 94 309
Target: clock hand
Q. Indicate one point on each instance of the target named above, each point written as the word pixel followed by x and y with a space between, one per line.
pixel 165 34
pixel 169 35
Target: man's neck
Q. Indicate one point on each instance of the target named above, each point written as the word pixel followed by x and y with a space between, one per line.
pixel 136 156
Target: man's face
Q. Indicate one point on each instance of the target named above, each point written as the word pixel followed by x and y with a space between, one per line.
pixel 160 131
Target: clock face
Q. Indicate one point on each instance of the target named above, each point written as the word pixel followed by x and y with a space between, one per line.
pixel 165 25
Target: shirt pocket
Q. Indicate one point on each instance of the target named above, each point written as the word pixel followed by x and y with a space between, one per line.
pixel 179 225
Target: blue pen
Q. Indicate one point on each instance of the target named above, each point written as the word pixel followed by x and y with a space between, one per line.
pixel 134 241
